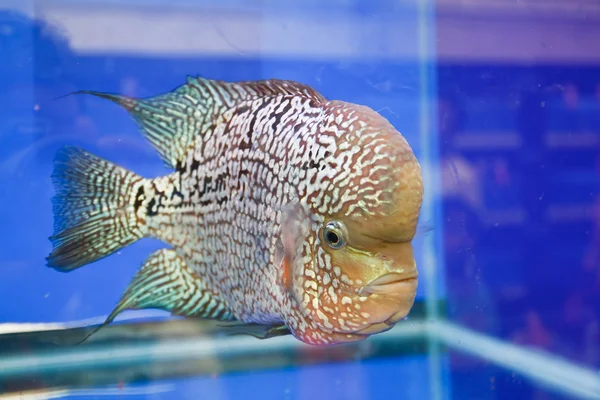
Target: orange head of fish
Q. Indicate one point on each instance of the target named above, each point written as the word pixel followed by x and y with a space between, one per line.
pixel 350 266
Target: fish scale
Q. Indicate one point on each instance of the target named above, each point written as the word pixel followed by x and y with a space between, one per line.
pixel 245 208
pixel 259 169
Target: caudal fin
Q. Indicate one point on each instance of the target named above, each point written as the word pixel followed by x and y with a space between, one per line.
pixel 94 209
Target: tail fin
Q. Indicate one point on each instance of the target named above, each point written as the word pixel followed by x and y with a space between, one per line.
pixel 94 211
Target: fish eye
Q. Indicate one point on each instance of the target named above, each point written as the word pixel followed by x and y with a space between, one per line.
pixel 334 236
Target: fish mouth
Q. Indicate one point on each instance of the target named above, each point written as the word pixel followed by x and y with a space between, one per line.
pixel 378 327
pixel 394 295
pixel 392 283
pixel 402 289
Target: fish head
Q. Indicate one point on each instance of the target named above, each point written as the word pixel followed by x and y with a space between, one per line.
pixel 357 275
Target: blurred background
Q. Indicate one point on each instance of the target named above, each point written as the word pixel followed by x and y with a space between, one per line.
pixel 500 100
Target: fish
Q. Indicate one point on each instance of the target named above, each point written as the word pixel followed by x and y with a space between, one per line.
pixel 281 209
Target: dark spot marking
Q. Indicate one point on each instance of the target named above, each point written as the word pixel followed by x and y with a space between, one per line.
pixel 243 172
pixel 242 109
pixel 195 165
pixel 177 193
pixel 161 196
pixel 278 116
pixel 139 199
pixel 151 210
pixel 247 144
pixel 207 181
pixel 311 164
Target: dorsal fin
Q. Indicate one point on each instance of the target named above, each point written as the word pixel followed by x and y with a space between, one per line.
pixel 172 121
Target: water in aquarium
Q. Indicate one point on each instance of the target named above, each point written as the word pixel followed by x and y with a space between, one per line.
pixel 338 199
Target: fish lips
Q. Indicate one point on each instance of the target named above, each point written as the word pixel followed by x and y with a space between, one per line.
pixel 396 293
pixel 391 284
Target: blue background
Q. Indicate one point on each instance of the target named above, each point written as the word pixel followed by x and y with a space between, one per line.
pixel 516 258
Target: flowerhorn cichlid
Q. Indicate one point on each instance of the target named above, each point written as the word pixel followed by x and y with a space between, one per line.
pixel 283 209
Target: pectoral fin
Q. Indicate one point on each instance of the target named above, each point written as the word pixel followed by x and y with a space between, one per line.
pixel 294 228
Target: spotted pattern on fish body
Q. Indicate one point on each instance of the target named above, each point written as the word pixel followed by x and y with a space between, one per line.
pixel 259 169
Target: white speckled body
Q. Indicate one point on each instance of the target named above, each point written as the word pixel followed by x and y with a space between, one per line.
pixel 260 167
pixel 233 185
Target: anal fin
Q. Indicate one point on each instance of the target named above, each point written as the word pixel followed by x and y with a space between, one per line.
pixel 166 282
